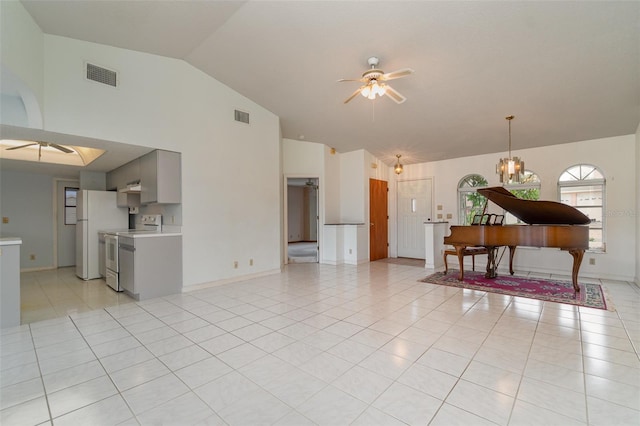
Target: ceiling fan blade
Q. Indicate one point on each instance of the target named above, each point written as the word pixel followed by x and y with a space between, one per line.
pixel 354 94
pixel 22 146
pixel 61 148
pixel 393 94
pixel 362 80
pixel 397 74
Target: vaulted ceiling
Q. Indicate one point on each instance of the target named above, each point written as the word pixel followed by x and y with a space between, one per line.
pixel 568 71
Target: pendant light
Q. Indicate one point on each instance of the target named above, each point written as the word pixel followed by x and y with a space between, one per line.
pixel 510 169
pixel 398 168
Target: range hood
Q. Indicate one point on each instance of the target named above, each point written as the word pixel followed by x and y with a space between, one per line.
pixel 131 188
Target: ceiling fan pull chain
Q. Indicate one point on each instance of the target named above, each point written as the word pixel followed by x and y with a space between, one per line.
pixel 373 111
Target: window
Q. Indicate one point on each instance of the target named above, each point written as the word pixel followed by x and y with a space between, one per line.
pixel 583 187
pixel 470 202
pixel 70 197
pixel 527 189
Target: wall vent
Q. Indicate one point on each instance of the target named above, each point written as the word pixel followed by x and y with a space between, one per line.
pixel 101 75
pixel 242 116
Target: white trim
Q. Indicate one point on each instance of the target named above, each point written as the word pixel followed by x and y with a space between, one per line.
pixel 285 213
pixel 187 289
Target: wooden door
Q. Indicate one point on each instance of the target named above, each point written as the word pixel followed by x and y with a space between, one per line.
pixel 378 218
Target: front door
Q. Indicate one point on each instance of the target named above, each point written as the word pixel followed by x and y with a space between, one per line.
pixel 414 209
pixel 378 218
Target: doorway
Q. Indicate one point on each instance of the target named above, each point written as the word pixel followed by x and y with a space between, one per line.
pixel 378 220
pixel 414 209
pixel 65 223
pixel 302 220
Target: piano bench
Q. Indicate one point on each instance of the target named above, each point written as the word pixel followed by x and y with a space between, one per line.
pixel 469 251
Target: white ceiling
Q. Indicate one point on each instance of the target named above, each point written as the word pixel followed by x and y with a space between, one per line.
pixel 568 71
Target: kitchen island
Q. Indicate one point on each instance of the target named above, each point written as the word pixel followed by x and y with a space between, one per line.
pixel 150 264
pixel 10 281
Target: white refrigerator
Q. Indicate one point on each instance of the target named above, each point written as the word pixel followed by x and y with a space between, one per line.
pixel 95 211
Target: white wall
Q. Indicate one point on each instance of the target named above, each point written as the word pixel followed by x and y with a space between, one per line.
pixel 614 156
pixel 352 185
pixel 22 59
pixel 231 171
pixel 637 211
pixel 27 202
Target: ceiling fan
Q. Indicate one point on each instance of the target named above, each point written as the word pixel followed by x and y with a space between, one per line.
pixel 41 145
pixel 374 79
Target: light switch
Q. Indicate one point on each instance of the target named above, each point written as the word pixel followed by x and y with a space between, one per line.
pixel 439 215
pixel 439 207
pixel 449 216
pixel 5 219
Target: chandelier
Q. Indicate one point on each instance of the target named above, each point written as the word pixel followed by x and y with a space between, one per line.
pixel 398 167
pixel 510 169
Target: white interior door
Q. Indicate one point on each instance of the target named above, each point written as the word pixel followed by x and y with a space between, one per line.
pixel 414 208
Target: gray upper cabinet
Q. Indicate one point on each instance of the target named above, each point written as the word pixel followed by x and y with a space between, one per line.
pixel 160 177
pixel 119 178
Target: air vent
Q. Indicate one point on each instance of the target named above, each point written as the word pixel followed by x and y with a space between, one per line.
pixel 242 116
pixel 102 75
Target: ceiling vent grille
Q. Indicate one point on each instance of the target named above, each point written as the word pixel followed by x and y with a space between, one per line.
pixel 241 116
pixel 102 75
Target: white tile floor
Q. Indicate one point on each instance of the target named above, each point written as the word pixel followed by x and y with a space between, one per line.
pixel 55 293
pixel 318 344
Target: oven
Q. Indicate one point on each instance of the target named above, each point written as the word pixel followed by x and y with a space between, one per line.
pixel 111 261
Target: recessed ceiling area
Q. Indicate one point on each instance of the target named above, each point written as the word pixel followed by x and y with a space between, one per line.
pixel 115 154
pixel 568 71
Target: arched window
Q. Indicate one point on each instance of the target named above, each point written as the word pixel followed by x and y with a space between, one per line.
pixel 583 187
pixel 527 189
pixel 470 202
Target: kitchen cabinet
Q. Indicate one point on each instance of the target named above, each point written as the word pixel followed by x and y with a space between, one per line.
pixel 127 173
pixel 120 177
pixel 150 264
pixel 161 177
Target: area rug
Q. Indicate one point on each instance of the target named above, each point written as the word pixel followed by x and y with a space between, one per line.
pixel 590 295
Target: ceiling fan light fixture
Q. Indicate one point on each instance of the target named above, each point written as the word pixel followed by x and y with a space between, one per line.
pixel 374 85
pixel 398 167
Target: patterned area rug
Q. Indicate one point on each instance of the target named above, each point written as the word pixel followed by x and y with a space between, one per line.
pixel 590 295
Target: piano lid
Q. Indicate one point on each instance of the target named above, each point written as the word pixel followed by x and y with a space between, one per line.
pixel 534 212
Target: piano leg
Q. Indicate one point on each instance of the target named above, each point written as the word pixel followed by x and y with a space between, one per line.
pixel 577 260
pixel 512 251
pixel 460 253
pixel 491 262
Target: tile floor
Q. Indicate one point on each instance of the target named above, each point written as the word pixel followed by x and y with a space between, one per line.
pixel 59 292
pixel 319 344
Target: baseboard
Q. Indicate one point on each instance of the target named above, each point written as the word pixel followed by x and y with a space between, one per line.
pixel 39 268
pixel 239 278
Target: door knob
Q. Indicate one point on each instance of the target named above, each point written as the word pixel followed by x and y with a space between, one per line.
pixel 372 223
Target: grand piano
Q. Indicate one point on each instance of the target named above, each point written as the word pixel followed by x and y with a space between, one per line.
pixel 547 224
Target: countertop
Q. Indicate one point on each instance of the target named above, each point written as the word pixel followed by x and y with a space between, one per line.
pixel 10 241
pixel 146 234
